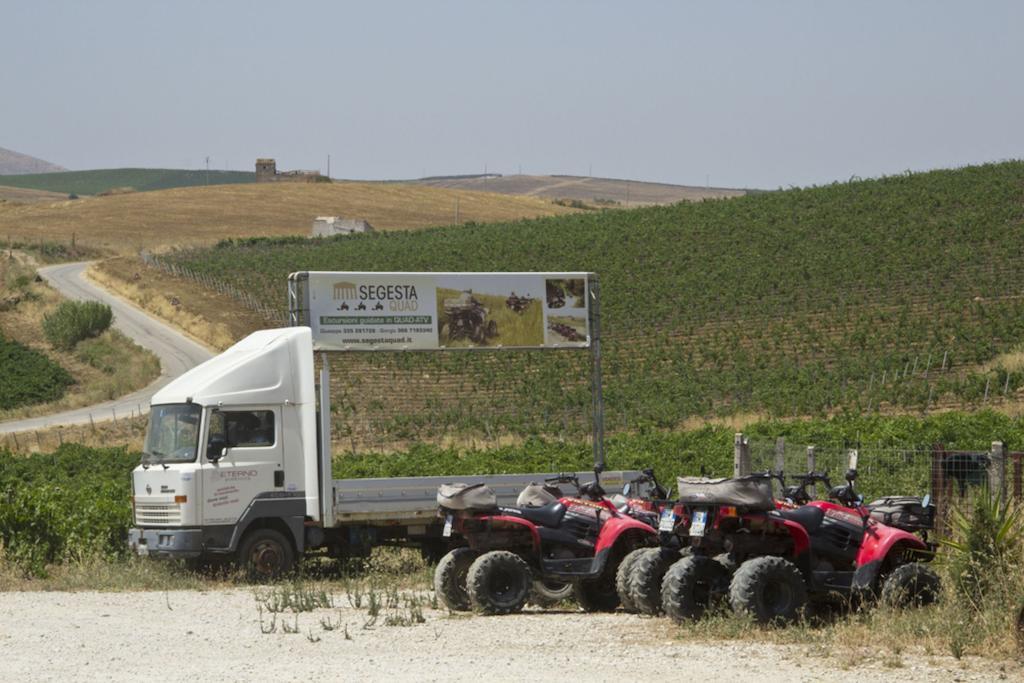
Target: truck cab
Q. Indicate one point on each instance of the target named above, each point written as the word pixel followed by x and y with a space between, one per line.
pixel 229 465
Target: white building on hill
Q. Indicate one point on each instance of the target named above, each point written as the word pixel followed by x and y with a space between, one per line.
pixel 325 226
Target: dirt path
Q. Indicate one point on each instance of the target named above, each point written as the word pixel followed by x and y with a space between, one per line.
pixel 216 636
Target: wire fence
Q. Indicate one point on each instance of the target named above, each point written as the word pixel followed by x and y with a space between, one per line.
pixel 947 476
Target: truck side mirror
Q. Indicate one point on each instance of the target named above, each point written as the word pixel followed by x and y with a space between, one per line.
pixel 216 449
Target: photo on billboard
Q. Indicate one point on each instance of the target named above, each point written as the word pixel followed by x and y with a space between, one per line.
pixel 489 310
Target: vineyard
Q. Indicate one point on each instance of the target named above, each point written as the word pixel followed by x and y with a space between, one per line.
pixel 28 376
pixel 73 503
pixel 892 294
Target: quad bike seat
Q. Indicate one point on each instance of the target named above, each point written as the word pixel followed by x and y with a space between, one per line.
pixel 466 497
pixel 550 515
pixel 538 495
pixel 808 517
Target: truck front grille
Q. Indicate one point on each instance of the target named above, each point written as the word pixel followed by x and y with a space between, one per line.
pixel 157 513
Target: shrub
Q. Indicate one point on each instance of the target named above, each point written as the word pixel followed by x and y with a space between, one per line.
pixel 74 321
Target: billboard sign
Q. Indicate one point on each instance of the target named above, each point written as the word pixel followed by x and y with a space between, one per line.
pixel 350 311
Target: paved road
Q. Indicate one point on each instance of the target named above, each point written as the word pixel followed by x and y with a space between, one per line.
pixel 177 353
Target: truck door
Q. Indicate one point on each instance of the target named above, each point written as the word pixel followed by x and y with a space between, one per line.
pixel 252 463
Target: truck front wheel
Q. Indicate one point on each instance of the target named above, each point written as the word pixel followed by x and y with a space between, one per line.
pixel 265 554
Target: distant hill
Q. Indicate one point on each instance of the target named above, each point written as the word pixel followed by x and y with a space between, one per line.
pixel 140 179
pixel 16 163
pixel 204 215
pixel 595 191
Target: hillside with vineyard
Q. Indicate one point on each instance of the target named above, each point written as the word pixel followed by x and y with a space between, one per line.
pixel 898 294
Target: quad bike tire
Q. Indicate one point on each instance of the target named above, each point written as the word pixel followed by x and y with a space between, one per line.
pixel 911 585
pixel 647 576
pixel 770 589
pixel 727 560
pixel 548 593
pixel 622 577
pixel 691 586
pixel 599 594
pixel 492 329
pixel 450 579
pixel 265 554
pixel 498 582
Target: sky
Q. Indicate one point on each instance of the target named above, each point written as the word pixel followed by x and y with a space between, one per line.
pixel 732 94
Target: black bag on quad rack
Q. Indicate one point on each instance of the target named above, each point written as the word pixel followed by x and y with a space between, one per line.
pixel 466 497
pixel 753 493
pixel 903 512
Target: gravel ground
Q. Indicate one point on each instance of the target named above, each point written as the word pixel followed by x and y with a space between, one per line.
pixel 217 635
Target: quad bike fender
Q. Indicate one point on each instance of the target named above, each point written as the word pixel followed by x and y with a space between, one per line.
pixel 801 547
pixel 615 527
pixel 801 541
pixel 877 544
pixel 500 521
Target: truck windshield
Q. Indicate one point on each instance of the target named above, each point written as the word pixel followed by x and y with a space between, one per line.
pixel 173 434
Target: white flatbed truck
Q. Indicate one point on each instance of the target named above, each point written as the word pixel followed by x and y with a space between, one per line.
pixel 237 465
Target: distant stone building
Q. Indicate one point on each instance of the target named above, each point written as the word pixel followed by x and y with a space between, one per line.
pixel 266 172
pixel 325 226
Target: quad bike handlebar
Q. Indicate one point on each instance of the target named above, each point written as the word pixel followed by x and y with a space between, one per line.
pixel 798 493
pixel 591 489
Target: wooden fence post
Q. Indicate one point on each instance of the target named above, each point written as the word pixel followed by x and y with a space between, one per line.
pixel 810 458
pixel 740 455
pixel 997 469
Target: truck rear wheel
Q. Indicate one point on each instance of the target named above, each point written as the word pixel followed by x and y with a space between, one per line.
pixel 450 579
pixel 265 554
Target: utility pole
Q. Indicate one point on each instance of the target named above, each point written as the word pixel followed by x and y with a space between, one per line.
pixel 207 170
pixel 328 165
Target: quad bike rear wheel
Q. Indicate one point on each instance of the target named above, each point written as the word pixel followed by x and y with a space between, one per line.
pixel 622 578
pixel 548 592
pixel 911 585
pixel 598 595
pixel 647 576
pixel 770 589
pixel 450 579
pixel 498 582
pixel 691 585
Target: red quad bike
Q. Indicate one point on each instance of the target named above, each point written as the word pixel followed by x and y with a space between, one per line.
pixel 576 539
pixel 773 562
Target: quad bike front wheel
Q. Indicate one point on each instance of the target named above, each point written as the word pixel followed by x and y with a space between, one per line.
pixel 911 585
pixel 691 586
pixel 450 579
pixel 498 582
pixel 770 589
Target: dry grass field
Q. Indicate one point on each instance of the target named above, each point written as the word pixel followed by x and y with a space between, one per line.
pixel 628 193
pixel 202 215
pixel 23 195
